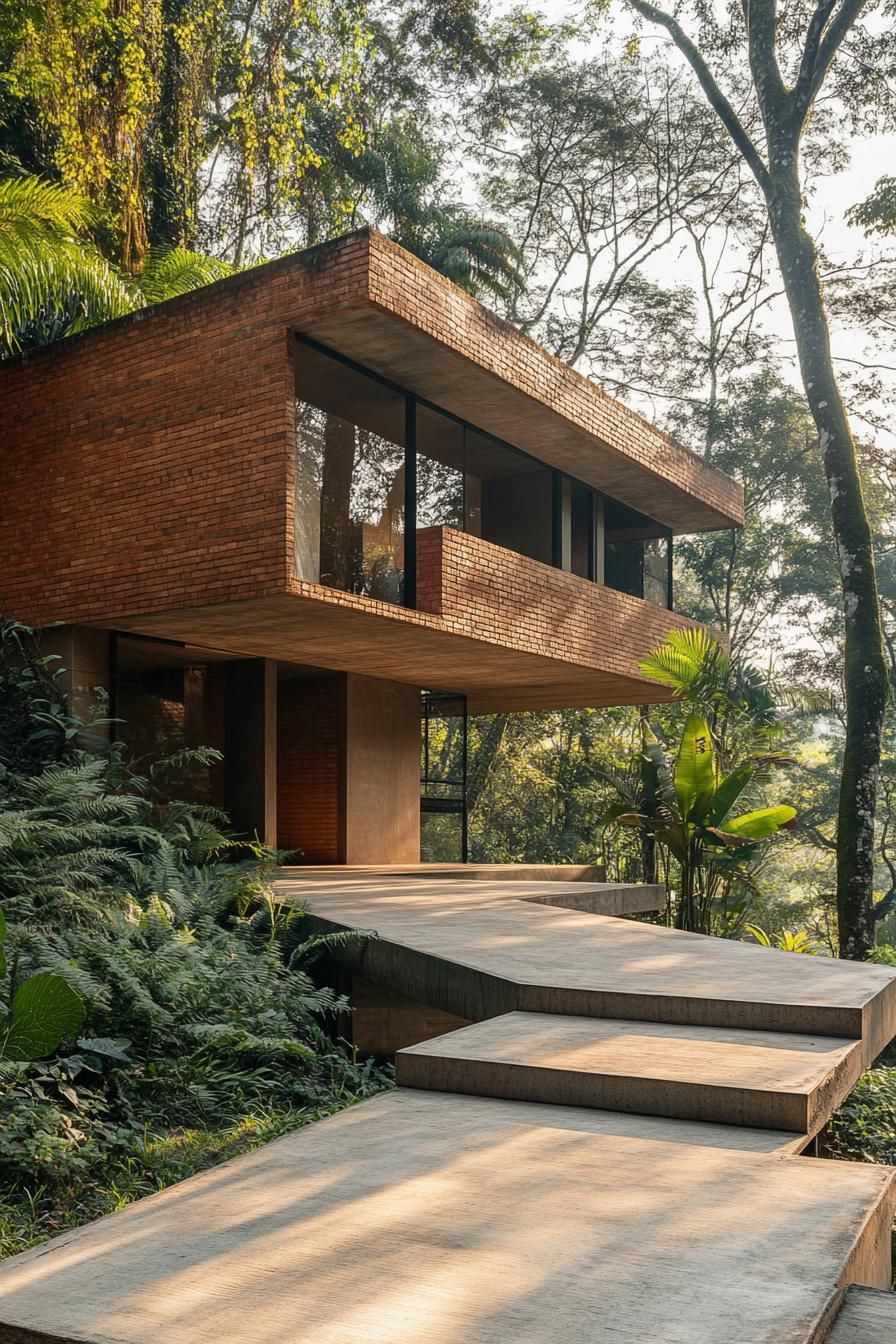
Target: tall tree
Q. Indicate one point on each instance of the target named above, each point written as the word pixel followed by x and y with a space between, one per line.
pixel 790 57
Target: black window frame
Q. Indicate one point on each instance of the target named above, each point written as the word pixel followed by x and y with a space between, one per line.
pixel 412 401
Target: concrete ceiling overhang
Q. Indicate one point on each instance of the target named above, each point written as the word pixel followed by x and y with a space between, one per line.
pixel 417 330
pixel 398 647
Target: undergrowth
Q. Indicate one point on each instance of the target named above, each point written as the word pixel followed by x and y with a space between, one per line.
pixel 206 1029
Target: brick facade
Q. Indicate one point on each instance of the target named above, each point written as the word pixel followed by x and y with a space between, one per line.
pixel 308 712
pixel 148 465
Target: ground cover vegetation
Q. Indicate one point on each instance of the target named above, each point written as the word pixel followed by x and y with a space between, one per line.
pixel 642 193
pixel 164 1014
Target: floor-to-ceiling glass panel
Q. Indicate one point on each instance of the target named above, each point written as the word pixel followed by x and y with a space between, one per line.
pixel 636 553
pixel 443 778
pixel 440 470
pixel 656 571
pixel 509 497
pixel 581 530
pixel 349 479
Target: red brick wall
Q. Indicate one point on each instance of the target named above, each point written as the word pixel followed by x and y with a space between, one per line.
pixel 308 711
pixel 148 465
pixel 485 591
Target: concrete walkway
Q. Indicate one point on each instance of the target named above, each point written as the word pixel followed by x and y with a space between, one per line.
pixel 430 1215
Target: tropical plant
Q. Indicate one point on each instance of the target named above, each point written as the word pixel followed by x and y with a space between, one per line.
pixel 54 282
pixel 46 265
pixel 786 940
pixel 735 696
pixel 43 1011
pixel 686 808
pixel 141 914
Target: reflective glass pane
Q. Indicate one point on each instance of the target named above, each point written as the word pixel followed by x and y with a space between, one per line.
pixel 440 470
pixel 349 479
pixel 656 571
pixel 509 497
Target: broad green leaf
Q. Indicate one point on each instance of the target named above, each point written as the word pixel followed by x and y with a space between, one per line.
pixel 728 792
pixel 2 941
pixel 758 825
pixel 695 766
pixel 45 1010
pixel 109 1047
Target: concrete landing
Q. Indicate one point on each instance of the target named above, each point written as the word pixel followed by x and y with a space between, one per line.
pixel 560 884
pixel 866 1317
pixel 771 1080
pixel 478 951
pixel 424 1218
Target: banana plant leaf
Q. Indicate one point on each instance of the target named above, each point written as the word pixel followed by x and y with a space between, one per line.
pixel 695 768
pixel 727 793
pixel 757 825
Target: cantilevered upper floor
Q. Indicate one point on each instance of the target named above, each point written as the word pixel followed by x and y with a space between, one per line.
pixel 340 459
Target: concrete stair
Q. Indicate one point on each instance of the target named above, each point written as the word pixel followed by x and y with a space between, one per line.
pixel 480 950
pixel 432 1218
pixel 771 1080
pixel 866 1316
pixel 612 1157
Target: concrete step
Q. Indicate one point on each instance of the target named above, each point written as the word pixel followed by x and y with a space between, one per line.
pixel 867 1316
pixel 431 1218
pixel 770 1080
pixel 479 949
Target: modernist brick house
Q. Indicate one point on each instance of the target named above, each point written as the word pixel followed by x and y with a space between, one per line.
pixel 270 513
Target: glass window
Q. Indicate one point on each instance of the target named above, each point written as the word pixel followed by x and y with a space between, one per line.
pixel 349 530
pixel 440 470
pixel 581 530
pixel 509 497
pixel 636 554
pixel 656 571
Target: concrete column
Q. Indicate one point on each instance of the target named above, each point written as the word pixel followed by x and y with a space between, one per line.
pixel 380 772
pixel 83 663
pixel 250 747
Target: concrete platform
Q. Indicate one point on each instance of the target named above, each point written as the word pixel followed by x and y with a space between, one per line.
pixel 424 1218
pixel 477 950
pixel 467 872
pixel 866 1317
pixel 560 884
pixel 770 1080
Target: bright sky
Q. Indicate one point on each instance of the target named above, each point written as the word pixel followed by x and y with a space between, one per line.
pixel 830 199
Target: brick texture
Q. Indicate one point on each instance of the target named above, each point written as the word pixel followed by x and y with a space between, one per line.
pixel 308 768
pixel 148 464
pixel 484 591
pixel 149 468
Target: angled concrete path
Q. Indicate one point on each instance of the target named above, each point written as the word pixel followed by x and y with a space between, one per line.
pixel 442 1217
pixel 771 1080
pixel 480 952
pixel 422 1218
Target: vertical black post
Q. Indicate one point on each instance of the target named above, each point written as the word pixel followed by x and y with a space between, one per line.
pixel 670 595
pixel 557 520
pixel 464 846
pixel 410 502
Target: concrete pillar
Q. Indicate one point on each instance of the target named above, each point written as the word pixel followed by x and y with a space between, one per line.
pixel 380 772
pixel 83 663
pixel 250 747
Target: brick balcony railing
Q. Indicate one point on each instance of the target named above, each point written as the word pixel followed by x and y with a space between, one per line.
pixel 486 592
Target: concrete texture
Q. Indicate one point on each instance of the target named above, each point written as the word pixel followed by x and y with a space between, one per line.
pixel 477 951
pixel 419 1217
pixel 866 1317
pixel 769 1080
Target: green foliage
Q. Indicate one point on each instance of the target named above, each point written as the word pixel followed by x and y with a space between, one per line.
pixel 685 806
pixel 864 1128
pixel 46 265
pixel 141 914
pixel 786 940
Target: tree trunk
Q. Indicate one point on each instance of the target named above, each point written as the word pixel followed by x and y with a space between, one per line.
pixel 865 680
